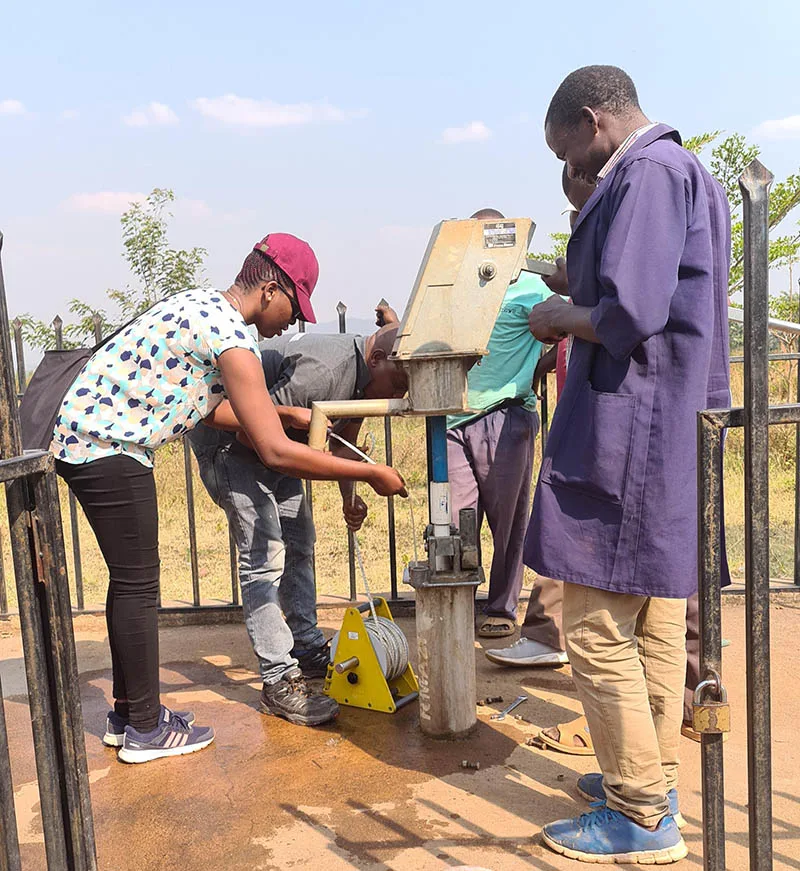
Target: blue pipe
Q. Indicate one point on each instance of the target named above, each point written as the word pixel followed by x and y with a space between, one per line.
pixel 436 437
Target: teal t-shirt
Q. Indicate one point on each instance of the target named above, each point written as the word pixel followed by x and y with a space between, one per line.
pixel 507 371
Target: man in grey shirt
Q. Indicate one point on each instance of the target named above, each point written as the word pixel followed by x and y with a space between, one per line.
pixel 269 516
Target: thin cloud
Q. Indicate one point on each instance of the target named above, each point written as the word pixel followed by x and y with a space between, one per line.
pixel 475 131
pixel 246 112
pixel 103 202
pixel 198 209
pixel 152 115
pixel 781 128
pixel 70 115
pixel 12 107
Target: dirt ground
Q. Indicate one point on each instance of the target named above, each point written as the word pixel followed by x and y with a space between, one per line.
pixel 369 792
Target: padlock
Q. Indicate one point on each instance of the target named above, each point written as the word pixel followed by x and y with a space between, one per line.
pixel 711 717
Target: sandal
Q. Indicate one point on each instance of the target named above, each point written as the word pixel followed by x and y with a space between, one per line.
pixel 497 627
pixel 567 733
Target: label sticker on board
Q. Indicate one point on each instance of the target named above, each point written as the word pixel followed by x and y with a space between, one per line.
pixel 500 235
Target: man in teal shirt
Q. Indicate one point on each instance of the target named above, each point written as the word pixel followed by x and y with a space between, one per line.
pixel 490 451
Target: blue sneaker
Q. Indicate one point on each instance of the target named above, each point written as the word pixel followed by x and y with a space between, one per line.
pixel 590 786
pixel 173 736
pixel 115 726
pixel 605 835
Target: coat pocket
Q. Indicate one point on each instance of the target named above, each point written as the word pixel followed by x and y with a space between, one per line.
pixel 593 455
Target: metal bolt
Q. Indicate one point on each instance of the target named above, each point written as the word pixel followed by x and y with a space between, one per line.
pixel 475 766
pixel 487 270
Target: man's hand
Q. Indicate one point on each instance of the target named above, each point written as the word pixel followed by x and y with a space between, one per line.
pixel 544 321
pixel 385 314
pixel 557 282
pixel 355 513
pixel 547 363
pixel 294 418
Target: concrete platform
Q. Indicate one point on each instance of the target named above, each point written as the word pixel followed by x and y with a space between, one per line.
pixel 369 792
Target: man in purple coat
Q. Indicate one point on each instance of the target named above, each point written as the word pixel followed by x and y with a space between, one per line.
pixel 615 514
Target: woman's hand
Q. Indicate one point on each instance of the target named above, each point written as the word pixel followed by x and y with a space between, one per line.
pixel 293 417
pixel 386 481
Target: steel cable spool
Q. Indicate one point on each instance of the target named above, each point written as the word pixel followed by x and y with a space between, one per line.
pixel 386 634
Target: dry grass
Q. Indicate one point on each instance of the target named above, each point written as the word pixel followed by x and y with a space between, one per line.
pixel 409 458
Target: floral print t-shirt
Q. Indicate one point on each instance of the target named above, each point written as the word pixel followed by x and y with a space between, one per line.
pixel 153 382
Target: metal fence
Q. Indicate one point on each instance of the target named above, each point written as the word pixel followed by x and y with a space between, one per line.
pixel 221 611
pixel 214 611
pixel 755 418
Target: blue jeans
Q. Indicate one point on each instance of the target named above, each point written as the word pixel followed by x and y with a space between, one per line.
pixel 274 533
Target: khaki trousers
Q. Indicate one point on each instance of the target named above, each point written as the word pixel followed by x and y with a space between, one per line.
pixel 628 659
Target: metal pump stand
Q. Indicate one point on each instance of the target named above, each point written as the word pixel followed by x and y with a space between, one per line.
pixel 445 586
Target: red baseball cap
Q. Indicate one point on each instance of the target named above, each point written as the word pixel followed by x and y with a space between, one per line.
pixel 298 261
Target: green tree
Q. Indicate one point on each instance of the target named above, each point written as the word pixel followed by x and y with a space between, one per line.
pixel 558 249
pixel 159 270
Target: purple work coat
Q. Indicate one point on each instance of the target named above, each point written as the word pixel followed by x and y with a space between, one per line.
pixel 616 501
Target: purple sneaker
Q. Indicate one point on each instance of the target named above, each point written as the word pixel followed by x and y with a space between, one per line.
pixel 173 736
pixel 115 726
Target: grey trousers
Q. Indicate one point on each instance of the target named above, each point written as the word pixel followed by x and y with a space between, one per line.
pixel 490 461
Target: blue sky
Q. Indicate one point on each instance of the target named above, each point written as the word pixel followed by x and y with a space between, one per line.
pixel 356 125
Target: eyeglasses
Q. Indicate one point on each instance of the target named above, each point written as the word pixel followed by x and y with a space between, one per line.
pixel 296 313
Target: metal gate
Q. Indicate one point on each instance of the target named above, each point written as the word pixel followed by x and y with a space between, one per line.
pixel 49 646
pixel 756 418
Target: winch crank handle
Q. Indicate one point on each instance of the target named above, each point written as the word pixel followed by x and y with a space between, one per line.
pixel 501 715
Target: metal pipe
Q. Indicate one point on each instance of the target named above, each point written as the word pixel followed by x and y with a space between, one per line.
pixel 187 469
pixel 797 491
pixel 754 183
pixel 58 328
pixel 341 311
pixel 63 668
pixel 709 540
pixel 387 431
pixel 545 414
pixel 323 412
pixel 19 346
pixel 3 591
pixel 738 314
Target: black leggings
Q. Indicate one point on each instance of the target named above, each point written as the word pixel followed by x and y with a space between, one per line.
pixel 118 495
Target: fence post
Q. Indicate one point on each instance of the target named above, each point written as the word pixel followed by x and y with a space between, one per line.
pixel 187 471
pixel 341 310
pixel 755 182
pixel 387 432
pixel 301 328
pixel 58 328
pixel 797 475
pixel 545 414
pixel 19 348
pixel 709 540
